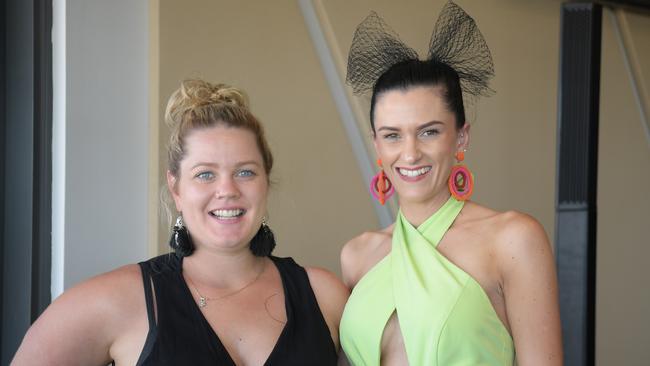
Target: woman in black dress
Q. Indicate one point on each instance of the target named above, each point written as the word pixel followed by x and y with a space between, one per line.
pixel 220 298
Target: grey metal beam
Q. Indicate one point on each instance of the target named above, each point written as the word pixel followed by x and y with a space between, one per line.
pixel 578 107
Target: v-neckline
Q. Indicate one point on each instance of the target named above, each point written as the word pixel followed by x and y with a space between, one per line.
pixel 216 341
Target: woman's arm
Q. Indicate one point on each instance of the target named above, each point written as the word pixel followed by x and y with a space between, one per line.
pixel 331 295
pixel 81 325
pixel 350 261
pixel 362 253
pixel 530 287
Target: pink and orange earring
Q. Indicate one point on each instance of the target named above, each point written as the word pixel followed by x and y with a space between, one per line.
pixel 461 180
pixel 381 187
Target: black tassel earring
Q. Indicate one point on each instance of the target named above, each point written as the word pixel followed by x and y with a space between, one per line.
pixel 181 241
pixel 263 242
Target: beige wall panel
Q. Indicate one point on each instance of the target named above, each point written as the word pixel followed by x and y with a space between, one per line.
pixel 319 200
pixel 623 293
pixel 640 31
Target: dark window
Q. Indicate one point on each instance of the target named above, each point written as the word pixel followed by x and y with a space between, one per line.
pixel 25 166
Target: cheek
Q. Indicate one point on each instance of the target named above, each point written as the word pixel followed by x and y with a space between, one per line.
pixel 441 150
pixel 193 194
pixel 445 161
pixel 257 191
pixel 386 151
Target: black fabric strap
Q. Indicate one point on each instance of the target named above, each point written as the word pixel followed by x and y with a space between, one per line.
pixel 151 315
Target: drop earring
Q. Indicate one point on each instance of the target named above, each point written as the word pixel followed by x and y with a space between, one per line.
pixel 263 242
pixel 181 241
pixel 381 187
pixel 461 180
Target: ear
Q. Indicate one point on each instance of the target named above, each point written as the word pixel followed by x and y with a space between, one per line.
pixel 463 138
pixel 374 143
pixel 171 185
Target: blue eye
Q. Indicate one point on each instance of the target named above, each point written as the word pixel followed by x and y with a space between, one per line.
pixel 245 173
pixel 205 176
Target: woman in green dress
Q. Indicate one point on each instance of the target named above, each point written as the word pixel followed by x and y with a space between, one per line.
pixel 451 282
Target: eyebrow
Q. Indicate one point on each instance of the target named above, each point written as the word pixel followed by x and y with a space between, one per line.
pixel 241 163
pixel 420 127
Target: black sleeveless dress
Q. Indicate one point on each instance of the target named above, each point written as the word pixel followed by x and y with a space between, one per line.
pixel 182 335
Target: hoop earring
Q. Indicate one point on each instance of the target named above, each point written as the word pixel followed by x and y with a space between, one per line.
pixel 263 242
pixel 461 180
pixel 380 186
pixel 181 241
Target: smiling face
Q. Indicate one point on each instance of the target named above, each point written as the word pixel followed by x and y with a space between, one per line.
pixel 416 138
pixel 221 187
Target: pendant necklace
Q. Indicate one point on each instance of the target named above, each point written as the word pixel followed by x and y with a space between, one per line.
pixel 203 301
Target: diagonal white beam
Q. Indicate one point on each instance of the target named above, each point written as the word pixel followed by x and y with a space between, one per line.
pixel 337 88
pixel 631 59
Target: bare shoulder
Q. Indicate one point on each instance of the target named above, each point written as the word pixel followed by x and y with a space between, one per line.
pixel 513 237
pixel 518 232
pixel 520 243
pixel 527 267
pixel 362 252
pixel 112 292
pixel 331 295
pixel 100 306
pixel 521 225
pixel 325 282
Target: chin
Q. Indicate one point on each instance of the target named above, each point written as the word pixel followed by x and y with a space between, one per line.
pixel 417 196
pixel 225 241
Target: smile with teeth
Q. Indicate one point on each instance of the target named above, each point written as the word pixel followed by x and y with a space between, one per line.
pixel 227 214
pixel 413 172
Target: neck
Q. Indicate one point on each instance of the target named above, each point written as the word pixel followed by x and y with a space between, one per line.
pixel 418 212
pixel 222 270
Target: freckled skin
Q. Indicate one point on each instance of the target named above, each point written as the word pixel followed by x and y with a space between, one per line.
pixel 507 253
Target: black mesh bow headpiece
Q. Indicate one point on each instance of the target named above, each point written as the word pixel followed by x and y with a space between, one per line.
pixel 456 41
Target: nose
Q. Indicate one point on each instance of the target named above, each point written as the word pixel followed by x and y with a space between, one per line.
pixel 225 188
pixel 411 151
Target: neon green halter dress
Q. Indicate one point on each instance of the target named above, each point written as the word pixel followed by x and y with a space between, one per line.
pixel 444 315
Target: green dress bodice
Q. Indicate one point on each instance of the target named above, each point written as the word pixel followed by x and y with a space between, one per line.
pixel 445 316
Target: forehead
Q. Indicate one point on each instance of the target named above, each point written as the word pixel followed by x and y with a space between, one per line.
pixel 221 145
pixel 415 105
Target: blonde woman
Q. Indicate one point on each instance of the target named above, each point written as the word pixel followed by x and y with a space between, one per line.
pixel 220 298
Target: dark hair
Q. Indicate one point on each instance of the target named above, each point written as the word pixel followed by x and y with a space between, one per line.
pixel 413 73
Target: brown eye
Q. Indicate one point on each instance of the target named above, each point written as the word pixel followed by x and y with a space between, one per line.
pixel 431 132
pixel 391 136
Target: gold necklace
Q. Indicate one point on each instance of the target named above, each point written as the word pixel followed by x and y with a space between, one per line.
pixel 266 307
pixel 203 301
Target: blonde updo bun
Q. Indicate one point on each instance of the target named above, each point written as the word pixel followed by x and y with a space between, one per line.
pixel 194 94
pixel 199 104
